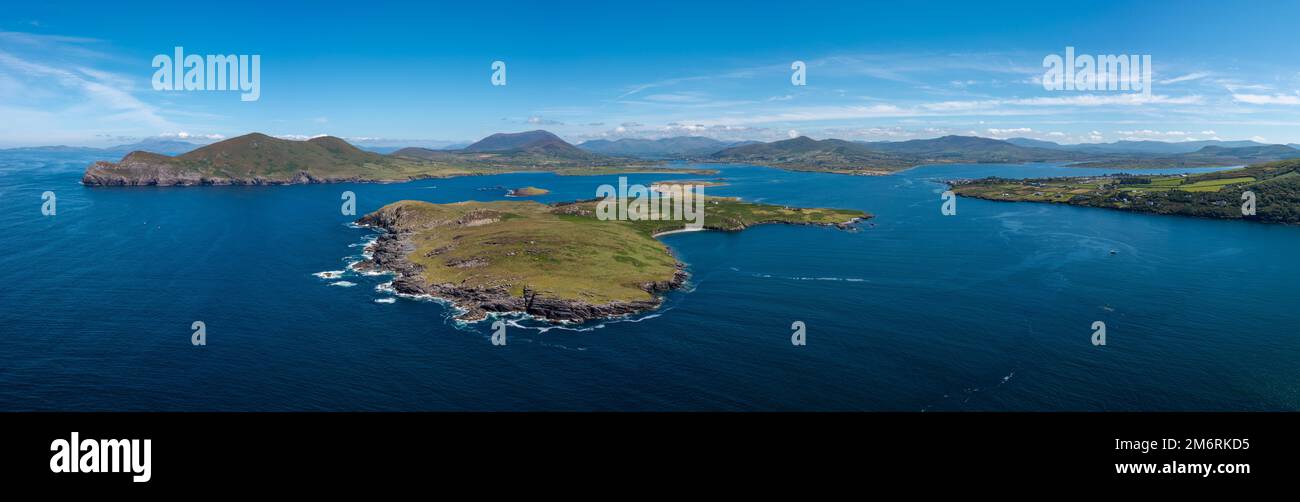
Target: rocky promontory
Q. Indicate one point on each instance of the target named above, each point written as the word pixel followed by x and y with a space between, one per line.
pixel 554 262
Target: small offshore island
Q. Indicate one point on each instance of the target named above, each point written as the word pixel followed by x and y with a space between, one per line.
pixel 555 262
pixel 667 186
pixel 526 192
pixel 1276 186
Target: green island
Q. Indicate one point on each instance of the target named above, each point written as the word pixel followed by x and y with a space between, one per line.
pixel 667 185
pixel 258 159
pixel 557 262
pixel 527 192
pixel 1275 185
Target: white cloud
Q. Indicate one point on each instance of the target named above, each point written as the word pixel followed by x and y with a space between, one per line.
pixel 985 107
pixel 1125 99
pixel 535 120
pixel 1009 133
pixel 55 92
pixel 186 136
pixel 1268 99
pixel 95 89
pixel 1174 135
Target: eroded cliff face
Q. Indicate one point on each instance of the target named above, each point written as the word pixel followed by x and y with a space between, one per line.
pixel 150 169
pixel 139 169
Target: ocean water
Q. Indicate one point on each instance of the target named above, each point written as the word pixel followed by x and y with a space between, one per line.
pixel 990 309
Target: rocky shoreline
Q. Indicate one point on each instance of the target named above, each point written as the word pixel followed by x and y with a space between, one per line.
pixel 407 226
pixel 389 251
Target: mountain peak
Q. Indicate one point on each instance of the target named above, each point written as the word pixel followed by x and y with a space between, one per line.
pixel 503 141
pixel 537 142
pixel 334 144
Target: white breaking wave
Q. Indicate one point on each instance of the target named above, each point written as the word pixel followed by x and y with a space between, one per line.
pixel 386 300
pixel 329 274
pixel 352 265
pixel 343 284
pixel 364 242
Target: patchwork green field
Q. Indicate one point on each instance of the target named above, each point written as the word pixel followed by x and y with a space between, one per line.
pixel 1275 186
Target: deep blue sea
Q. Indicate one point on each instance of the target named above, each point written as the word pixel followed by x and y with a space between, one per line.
pixel 990 309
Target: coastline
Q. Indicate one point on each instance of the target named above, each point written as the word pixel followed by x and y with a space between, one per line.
pixel 389 253
pixel 1135 210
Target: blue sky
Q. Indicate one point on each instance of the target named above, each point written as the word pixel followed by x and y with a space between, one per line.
pixel 419 73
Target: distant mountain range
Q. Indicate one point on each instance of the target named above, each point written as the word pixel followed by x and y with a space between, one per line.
pixel 664 148
pixel 882 157
pixel 164 146
pixel 804 153
pixel 387 149
pixel 258 159
pixel 970 148
pixel 1137 147
pixel 1206 156
pixel 539 146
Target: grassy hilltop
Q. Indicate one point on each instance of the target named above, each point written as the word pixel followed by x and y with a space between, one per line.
pixel 555 261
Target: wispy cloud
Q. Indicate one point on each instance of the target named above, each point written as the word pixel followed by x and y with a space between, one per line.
pixel 535 120
pixel 990 107
pixel 1185 78
pixel 64 91
pixel 1173 135
pixel 1268 99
